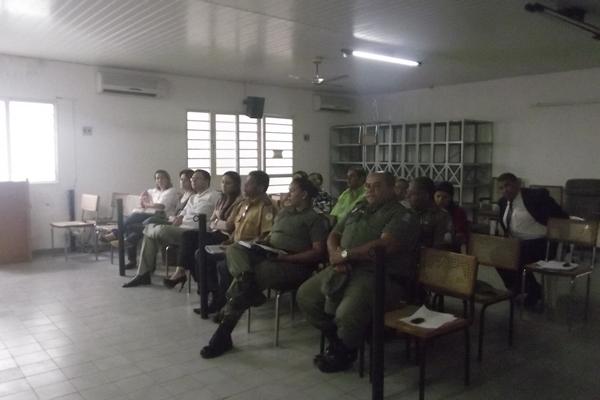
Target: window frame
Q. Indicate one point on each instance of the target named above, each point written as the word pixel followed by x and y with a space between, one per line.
pixel 7 100
pixel 261 140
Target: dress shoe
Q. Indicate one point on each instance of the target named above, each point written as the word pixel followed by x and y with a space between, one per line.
pixel 171 283
pixel 139 280
pixel 219 343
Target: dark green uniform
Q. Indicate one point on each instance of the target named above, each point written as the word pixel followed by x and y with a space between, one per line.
pixel 436 228
pixel 353 313
pixel 293 231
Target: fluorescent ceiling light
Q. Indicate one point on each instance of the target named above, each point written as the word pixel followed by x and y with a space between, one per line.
pixel 388 59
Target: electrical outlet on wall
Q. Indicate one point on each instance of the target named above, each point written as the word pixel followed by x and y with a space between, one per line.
pixel 307 138
pixel 87 131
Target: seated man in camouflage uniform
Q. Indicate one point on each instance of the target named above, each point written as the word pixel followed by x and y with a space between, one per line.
pixel 344 313
pixel 298 230
pixel 436 223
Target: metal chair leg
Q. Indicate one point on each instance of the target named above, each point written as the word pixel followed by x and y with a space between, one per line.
pixel 249 319
pixel 467 357
pixel 511 321
pixel 587 298
pixel 481 331
pixel 361 359
pixel 524 273
pixel 67 244
pixel 189 280
pixel 571 305
pixel 96 243
pixel 422 350
pixel 277 300
pixel 52 237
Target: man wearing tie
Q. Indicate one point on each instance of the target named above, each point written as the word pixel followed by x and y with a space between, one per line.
pixel 524 214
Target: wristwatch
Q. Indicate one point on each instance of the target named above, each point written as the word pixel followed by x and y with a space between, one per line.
pixel 344 254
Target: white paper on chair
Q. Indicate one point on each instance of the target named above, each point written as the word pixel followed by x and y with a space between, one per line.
pixel 555 265
pixel 429 319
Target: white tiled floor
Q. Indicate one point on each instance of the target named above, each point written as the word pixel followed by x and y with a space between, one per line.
pixel 69 331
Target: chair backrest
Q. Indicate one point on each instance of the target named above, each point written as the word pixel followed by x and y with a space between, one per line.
pixel 495 251
pixel 130 202
pixel 448 273
pixel 556 192
pixel 583 233
pixel 89 206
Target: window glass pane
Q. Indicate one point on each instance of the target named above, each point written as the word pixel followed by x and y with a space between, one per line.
pixel 249 154
pixel 225 118
pixel 199 135
pixel 249 145
pixel 224 135
pixel 199 140
pixel 198 125
pixel 281 180
pixel 199 144
pixel 278 189
pixel 198 116
pixel 246 171
pixel 280 137
pixel 199 163
pixel 227 162
pixel 279 170
pixel 245 119
pixel 198 153
pixel 226 154
pixel 278 128
pixel 248 127
pixel 4 176
pixel 252 136
pixel 279 162
pixel 221 144
pixel 32 141
pixel 225 126
pixel 248 162
pixel 283 121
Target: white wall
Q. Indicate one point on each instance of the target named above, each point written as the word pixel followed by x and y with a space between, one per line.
pixel 544 145
pixel 133 136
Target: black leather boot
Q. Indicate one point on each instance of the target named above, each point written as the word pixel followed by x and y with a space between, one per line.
pixel 338 357
pixel 219 343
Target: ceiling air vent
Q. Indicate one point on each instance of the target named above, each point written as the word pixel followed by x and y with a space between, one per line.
pixel 130 83
pixel 333 103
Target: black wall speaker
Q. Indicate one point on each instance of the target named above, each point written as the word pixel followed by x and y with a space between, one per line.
pixel 254 106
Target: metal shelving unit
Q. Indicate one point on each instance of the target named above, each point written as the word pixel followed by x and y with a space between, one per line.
pixel 456 151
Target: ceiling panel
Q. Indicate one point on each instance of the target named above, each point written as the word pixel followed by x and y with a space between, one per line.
pixel 265 41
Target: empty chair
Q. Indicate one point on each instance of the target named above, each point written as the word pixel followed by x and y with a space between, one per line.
pixel 89 208
pixel 443 273
pixel 573 235
pixel 500 253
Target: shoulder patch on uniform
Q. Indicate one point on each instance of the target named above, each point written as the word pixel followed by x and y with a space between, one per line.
pixel 269 216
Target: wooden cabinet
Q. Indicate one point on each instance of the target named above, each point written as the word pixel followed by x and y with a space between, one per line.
pixel 15 237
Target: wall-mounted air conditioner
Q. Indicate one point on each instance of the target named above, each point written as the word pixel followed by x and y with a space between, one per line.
pixel 333 103
pixel 125 82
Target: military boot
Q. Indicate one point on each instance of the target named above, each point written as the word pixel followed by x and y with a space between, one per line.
pixel 339 359
pixel 220 342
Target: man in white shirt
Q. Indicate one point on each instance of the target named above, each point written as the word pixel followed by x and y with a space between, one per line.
pixel 524 214
pixel 156 236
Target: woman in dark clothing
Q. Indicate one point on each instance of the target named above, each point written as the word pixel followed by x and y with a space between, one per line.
pixel 231 187
pixel 444 193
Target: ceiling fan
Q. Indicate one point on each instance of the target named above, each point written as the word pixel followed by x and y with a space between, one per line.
pixel 318 79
